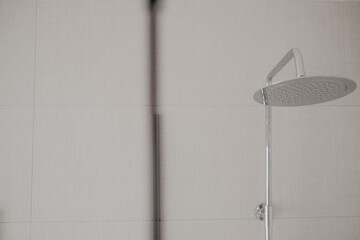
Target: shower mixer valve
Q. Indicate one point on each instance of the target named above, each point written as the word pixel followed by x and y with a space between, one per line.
pixel 260 212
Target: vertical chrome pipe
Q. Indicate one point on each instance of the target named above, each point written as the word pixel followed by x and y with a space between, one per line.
pixel 267 207
pixel 268 178
pixel 295 54
pixel 268 138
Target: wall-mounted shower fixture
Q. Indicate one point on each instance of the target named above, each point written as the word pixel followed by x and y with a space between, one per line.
pixel 295 92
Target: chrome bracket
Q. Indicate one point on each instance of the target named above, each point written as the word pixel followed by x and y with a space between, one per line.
pixel 260 212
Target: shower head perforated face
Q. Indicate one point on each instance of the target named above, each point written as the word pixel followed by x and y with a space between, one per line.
pixel 304 91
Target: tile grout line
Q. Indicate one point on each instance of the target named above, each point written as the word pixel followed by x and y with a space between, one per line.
pixel 250 219
pixel 82 221
pixel 181 220
pixel 33 123
pixel 161 106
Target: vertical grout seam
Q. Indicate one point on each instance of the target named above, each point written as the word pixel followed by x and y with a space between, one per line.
pixel 33 123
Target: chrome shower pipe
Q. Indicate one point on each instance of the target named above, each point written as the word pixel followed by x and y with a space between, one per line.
pixel 264 211
pixel 298 60
pixel 268 172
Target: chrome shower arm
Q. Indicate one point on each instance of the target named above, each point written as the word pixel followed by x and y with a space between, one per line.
pixel 299 64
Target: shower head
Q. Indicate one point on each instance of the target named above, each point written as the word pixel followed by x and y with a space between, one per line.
pixel 301 90
pixel 304 91
pixel 295 92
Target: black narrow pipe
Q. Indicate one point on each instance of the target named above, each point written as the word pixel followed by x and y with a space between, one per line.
pixel 153 53
pixel 153 65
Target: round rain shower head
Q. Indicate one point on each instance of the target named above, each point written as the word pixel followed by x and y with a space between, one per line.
pixel 304 91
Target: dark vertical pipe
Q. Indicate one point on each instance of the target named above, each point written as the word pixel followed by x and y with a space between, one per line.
pixel 156 167
pixel 153 54
pixel 153 63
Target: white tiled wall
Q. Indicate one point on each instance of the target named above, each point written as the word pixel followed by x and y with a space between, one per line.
pixel 75 129
pixel 295 228
pixel 75 152
pixel 316 149
pixel 87 165
pixel 136 230
pixel 91 52
pixel 209 170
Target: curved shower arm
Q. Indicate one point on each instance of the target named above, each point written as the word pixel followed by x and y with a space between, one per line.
pixel 299 64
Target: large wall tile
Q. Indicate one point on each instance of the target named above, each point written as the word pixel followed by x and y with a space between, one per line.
pixel 91 164
pixel 212 162
pixel 308 228
pixel 220 54
pixel 316 161
pixel 15 165
pixel 317 228
pixel 93 231
pixel 91 52
pixel 213 229
pixel 211 56
pixel 17 52
pixel 15 231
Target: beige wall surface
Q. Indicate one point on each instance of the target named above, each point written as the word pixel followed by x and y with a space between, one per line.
pixel 75 151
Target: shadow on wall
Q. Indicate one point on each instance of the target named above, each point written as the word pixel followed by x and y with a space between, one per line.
pixel 153 7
